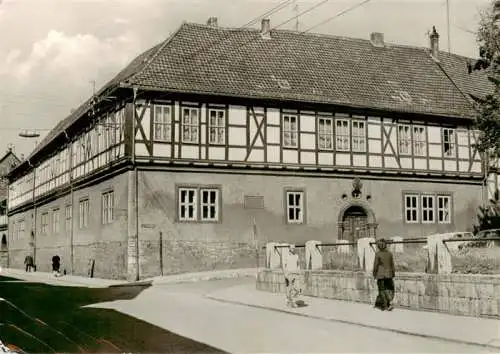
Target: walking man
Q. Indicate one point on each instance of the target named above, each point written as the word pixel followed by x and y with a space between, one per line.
pixel 56 264
pixel 30 264
pixel 291 269
pixel 384 272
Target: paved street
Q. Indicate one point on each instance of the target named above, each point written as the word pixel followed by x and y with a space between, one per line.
pixel 41 318
pixel 184 309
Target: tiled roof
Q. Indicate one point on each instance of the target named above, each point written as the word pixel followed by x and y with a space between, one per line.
pixel 7 162
pixel 300 67
pixel 311 68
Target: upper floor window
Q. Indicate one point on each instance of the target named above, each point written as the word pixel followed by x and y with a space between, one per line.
pixel 294 207
pixel 162 123
pixel 107 207
pixel 404 139
pixel 325 133
pixel 358 136
pixel 115 124
pixel 448 142
pixel 190 125
pixel 81 150
pixel 290 131
pixel 217 126
pixel 57 165
pixel 64 160
pixel 419 141
pixel 342 134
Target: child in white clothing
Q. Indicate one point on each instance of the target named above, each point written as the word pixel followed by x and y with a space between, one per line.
pixel 291 270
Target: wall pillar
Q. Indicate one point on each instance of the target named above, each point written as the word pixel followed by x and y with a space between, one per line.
pixel 273 260
pixel 314 256
pixel 366 253
pixel 133 242
pixel 439 254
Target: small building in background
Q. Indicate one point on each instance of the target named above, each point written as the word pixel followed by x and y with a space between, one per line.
pixel 7 162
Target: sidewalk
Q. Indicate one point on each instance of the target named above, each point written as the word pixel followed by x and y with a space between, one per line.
pixel 459 329
pixel 75 280
pixel 203 276
pixel 65 280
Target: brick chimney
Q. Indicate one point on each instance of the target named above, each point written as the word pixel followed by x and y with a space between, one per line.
pixel 377 39
pixel 265 30
pixel 434 37
pixel 212 21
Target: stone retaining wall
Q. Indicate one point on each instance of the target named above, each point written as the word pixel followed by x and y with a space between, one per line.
pixel 470 295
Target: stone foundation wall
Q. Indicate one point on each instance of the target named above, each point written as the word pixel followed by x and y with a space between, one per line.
pixel 470 295
pixel 110 259
pixel 4 256
pixel 195 256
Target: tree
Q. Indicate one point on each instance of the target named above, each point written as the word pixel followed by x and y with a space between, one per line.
pixel 489 215
pixel 488 119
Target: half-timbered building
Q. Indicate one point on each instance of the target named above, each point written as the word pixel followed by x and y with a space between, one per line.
pixel 7 162
pixel 219 139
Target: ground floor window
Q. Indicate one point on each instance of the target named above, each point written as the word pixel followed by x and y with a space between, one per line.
pixel 411 208
pixel 427 208
pixel 55 220
pixel 107 207
pixel 294 201
pixel 68 213
pixel 444 209
pixel 199 204
pixel 44 223
pixel 83 213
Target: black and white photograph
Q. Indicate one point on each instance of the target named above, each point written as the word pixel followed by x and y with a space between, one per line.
pixel 249 176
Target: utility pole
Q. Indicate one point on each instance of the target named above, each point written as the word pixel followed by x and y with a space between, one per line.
pixel 296 10
pixel 448 23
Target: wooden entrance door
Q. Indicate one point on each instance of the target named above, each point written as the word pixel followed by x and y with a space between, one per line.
pixel 355 224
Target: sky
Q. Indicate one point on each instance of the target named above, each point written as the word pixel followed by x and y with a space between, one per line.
pixel 52 50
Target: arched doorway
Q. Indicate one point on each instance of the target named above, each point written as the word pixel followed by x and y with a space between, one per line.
pixel 355 222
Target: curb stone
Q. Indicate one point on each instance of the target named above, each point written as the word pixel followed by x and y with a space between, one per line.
pixel 492 344
pixel 153 281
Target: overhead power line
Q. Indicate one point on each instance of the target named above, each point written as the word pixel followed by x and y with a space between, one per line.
pixel 226 35
pixel 343 12
pixel 302 13
pixel 277 8
pixel 254 39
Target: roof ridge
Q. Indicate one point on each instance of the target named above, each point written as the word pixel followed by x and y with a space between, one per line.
pixel 320 35
pixel 154 55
